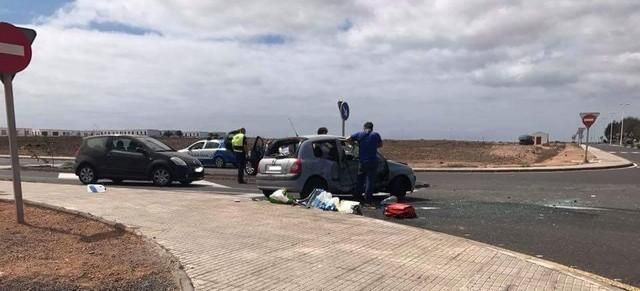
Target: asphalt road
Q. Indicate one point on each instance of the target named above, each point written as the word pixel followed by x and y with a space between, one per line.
pixel 588 220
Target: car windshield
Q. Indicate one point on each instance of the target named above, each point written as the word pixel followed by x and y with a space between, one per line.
pixel 286 148
pixel 155 145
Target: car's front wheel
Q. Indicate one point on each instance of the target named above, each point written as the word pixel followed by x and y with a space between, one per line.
pixel 161 176
pixel 399 187
pixel 87 174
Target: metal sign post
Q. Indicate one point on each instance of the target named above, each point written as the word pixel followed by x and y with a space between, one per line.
pixel 343 107
pixel 13 145
pixel 588 119
pixel 15 56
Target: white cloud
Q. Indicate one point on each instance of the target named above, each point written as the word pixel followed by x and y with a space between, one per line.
pixel 437 69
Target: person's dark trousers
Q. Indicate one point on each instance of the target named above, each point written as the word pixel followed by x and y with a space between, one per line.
pixel 241 161
pixel 367 178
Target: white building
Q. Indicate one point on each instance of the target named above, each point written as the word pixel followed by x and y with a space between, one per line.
pixel 21 131
pixel 196 134
pixel 540 138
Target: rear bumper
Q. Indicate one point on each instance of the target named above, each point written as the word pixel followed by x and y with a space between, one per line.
pixel 275 182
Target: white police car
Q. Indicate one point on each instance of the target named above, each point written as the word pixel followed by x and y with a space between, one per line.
pixel 211 153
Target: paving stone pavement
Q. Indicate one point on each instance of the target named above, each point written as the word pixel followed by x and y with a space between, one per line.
pixel 234 243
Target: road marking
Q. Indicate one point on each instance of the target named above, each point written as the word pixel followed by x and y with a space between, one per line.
pixel 11 49
pixel 67 176
pixel 207 183
pixel 429 208
pixel 624 152
pixel 613 152
pixel 575 207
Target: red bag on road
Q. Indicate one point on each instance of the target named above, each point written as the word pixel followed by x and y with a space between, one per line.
pixel 400 210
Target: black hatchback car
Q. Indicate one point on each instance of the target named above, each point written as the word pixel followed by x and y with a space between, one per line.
pixel 123 157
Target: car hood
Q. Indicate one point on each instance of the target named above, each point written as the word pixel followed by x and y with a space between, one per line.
pixel 400 167
pixel 184 156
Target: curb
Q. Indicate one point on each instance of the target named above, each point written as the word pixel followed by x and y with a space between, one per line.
pixel 519 170
pixel 180 276
pixel 44 157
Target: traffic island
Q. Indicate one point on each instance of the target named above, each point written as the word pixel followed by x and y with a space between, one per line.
pixel 62 251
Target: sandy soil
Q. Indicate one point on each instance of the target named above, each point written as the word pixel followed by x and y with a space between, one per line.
pixel 418 153
pixel 57 251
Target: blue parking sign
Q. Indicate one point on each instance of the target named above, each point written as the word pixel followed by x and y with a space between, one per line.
pixel 344 110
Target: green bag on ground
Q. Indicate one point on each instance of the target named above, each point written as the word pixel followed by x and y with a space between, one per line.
pixel 281 197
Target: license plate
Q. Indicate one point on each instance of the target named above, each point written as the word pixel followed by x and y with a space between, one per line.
pixel 274 168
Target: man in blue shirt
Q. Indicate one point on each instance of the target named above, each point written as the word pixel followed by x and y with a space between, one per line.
pixel 369 142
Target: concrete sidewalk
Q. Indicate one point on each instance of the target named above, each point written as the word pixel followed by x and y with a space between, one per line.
pixel 604 160
pixel 232 242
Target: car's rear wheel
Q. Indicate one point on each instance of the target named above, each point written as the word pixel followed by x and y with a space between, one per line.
pixel 312 184
pixel 267 193
pixel 218 162
pixel 87 174
pixel 399 187
pixel 249 169
pixel 161 176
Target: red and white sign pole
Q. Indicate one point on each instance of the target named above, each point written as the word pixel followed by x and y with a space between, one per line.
pixel 15 56
pixel 588 119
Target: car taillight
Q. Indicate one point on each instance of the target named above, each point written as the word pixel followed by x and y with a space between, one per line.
pixel 296 168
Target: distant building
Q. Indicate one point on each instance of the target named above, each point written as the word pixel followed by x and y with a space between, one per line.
pixel 540 138
pixel 196 134
pixel 20 131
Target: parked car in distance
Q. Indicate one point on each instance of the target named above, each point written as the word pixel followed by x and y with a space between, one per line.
pixel 211 153
pixel 302 164
pixel 125 157
pixel 526 140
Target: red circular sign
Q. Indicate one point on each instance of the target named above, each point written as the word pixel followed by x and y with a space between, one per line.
pixel 15 49
pixel 588 120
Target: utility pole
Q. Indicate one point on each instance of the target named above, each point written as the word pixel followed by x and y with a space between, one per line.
pixel 622 123
pixel 611 128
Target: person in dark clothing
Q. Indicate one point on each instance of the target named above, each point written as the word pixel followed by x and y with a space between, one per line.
pixel 323 130
pixel 369 142
pixel 239 143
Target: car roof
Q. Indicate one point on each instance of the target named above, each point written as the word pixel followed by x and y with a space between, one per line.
pixel 316 137
pixel 216 140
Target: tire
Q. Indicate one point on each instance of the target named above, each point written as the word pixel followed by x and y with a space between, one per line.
pixel 161 176
pixel 87 174
pixel 218 162
pixel 399 187
pixel 312 184
pixel 267 193
pixel 249 169
pixel 186 183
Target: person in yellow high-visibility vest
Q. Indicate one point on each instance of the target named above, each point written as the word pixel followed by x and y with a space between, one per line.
pixel 239 144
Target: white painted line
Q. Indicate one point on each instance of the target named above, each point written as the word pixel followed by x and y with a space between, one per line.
pixel 207 183
pixel 635 153
pixel 624 152
pixel 11 49
pixel 67 176
pixel 429 208
pixel 613 152
pixel 575 207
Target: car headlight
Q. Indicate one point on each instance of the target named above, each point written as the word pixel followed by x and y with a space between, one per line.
pixel 178 161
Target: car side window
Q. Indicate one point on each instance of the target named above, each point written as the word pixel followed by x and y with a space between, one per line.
pixel 197 146
pixel 97 143
pixel 123 144
pixel 350 150
pixel 325 150
pixel 212 145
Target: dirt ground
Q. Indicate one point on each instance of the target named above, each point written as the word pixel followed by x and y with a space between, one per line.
pixel 59 251
pixel 418 153
pixel 456 154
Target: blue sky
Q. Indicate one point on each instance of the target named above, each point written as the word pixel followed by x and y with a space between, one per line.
pixel 454 69
pixel 25 11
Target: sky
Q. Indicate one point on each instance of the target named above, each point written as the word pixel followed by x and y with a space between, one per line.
pixel 440 69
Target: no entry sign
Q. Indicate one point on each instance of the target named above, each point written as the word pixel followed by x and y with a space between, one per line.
pixel 589 118
pixel 15 48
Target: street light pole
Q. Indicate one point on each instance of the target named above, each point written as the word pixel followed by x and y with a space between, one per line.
pixel 611 129
pixel 622 122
